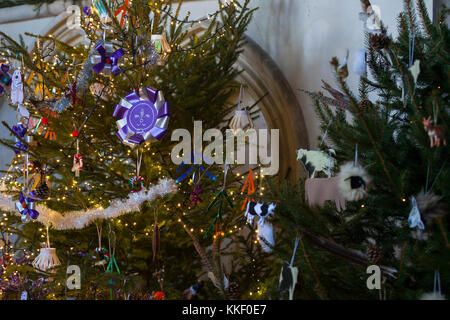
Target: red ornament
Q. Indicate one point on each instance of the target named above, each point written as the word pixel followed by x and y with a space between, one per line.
pixel 159 296
pixel 44 121
pixel 108 60
pixel 74 133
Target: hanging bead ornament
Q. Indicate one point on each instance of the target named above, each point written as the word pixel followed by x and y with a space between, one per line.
pixel 47 258
pixel 5 78
pixel 137 183
pixel 77 161
pixel 241 119
pixel 143 116
pixel 106 61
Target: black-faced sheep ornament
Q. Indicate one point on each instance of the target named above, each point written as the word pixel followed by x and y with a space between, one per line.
pixel 353 181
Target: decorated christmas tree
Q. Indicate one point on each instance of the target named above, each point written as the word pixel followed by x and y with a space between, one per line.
pixel 93 178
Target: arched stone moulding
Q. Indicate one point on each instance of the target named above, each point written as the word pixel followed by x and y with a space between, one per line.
pixel 280 108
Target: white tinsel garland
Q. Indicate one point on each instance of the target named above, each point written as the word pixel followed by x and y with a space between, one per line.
pixel 80 219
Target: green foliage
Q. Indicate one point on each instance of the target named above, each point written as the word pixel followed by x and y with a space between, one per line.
pixel 197 80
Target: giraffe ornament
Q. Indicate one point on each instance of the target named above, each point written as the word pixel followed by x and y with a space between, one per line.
pixel 436 133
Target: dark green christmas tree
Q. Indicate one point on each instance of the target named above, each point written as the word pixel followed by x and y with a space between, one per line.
pixel 386 122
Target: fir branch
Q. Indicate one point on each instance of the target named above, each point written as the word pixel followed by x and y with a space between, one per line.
pixel 313 270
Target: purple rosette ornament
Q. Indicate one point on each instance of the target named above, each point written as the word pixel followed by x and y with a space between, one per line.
pixel 5 77
pixel 106 61
pixel 143 116
pixel 25 206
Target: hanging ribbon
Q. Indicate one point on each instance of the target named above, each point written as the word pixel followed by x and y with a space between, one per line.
pixel 122 12
pixel 295 250
pixel 325 133
pixel 412 41
pixel 250 189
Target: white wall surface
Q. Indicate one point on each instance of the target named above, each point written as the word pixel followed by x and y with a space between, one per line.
pixel 302 36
